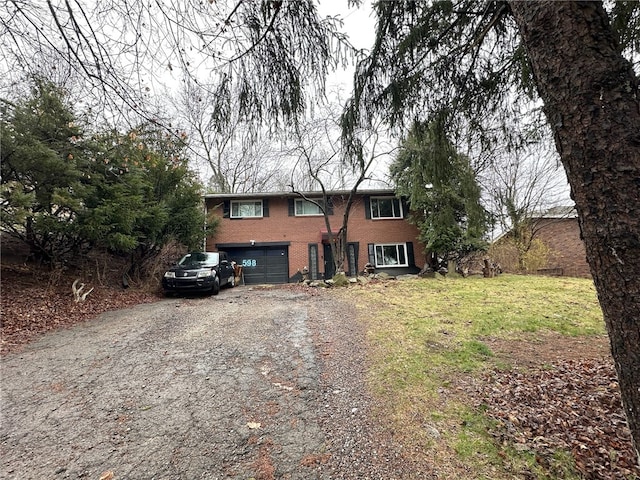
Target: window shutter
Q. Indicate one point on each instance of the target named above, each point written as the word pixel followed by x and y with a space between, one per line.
pixel 265 207
pixel 405 207
pixel 329 205
pixel 226 209
pixel 372 253
pixel 352 255
pixel 411 260
pixel 313 260
pixel 367 208
pixel 292 207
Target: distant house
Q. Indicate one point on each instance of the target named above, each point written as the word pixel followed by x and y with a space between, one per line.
pixel 559 230
pixel 274 236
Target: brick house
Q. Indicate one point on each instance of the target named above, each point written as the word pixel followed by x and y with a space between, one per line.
pixel 274 236
pixel 559 230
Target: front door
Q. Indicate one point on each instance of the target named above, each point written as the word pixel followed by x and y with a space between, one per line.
pixel 329 267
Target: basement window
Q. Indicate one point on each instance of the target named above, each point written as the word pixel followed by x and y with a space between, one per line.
pixel 391 255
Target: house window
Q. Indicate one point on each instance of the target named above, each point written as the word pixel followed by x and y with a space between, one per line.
pixel 246 209
pixel 386 207
pixel 391 255
pixel 305 207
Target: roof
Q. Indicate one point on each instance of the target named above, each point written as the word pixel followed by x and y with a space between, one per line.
pixel 565 211
pixel 558 213
pixel 229 196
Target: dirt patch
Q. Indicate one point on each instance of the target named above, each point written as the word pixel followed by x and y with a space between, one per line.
pixel 547 348
pixel 560 394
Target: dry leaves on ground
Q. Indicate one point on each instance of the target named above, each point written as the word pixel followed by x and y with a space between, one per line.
pixel 31 306
pixel 574 406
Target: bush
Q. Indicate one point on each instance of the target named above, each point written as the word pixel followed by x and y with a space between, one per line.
pixel 536 257
pixel 66 191
pixel 514 258
pixel 340 280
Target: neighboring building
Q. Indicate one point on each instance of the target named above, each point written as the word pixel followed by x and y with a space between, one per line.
pixel 274 236
pixel 558 229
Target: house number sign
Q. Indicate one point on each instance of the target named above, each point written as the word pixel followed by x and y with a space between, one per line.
pixel 249 262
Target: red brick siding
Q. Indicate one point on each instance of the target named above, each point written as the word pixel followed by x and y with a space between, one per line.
pixel 301 231
pixel 567 251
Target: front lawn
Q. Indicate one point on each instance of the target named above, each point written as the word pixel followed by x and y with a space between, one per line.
pixel 485 377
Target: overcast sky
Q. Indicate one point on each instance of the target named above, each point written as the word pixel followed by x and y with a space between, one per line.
pixel 359 24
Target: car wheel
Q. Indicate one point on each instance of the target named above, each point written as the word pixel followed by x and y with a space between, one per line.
pixel 216 286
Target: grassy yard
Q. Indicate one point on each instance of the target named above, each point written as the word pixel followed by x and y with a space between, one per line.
pixel 433 340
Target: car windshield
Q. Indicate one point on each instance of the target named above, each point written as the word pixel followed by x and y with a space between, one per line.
pixel 199 258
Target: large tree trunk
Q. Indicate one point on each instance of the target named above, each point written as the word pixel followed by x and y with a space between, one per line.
pixel 590 95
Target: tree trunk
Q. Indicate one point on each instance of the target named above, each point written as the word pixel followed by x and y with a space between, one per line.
pixel 591 101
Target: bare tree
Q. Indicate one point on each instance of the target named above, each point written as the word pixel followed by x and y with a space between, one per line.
pixel 320 160
pixel 241 158
pixel 317 154
pixel 256 58
pixel 521 187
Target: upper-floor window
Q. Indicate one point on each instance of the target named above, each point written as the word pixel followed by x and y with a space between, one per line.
pixel 386 207
pixel 305 207
pixel 248 208
pixel 391 255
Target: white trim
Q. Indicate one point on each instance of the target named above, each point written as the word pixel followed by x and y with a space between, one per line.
pixel 246 202
pixel 392 200
pixel 302 200
pixel 397 245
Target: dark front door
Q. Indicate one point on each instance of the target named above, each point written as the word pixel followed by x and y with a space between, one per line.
pixel 329 267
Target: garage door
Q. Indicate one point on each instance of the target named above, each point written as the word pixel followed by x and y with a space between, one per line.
pixel 262 264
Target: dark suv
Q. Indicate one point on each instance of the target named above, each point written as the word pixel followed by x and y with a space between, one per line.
pixel 200 272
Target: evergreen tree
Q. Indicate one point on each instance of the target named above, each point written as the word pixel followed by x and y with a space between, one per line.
pixel 443 193
pixel 43 177
pixel 64 192
pixel 144 193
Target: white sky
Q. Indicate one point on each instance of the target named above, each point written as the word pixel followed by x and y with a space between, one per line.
pixel 359 24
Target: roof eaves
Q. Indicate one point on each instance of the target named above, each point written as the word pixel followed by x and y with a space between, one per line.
pixel 565 211
pixel 222 196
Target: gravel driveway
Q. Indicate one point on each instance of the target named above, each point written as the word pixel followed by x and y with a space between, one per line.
pixel 253 383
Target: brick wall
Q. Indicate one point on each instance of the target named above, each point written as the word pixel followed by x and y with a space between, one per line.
pixel 567 251
pixel 299 232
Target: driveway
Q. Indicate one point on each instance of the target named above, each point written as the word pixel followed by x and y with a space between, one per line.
pixel 254 383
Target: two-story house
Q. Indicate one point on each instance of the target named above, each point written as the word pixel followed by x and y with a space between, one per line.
pixel 274 236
